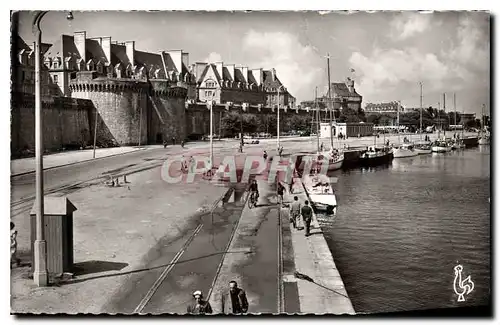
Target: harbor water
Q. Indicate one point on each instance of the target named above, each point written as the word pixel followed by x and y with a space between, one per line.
pixel 401 229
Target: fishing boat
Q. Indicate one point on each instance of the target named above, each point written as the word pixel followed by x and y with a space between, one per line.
pixel 441 146
pixel 376 156
pixel 321 192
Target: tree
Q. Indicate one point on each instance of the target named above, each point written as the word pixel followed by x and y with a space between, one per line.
pixel 374 118
pixel 230 125
pixel 349 115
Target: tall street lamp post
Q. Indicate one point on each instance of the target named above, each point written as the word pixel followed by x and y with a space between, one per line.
pixel 40 274
pixel 278 118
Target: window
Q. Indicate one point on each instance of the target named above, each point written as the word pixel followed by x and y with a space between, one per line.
pixel 56 79
pixel 22 76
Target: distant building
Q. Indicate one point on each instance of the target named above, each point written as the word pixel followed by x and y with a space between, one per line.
pixel 228 83
pixel 343 95
pixel 391 107
pixel 349 129
pixel 466 117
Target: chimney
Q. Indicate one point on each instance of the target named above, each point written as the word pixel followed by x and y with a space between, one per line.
pixel 273 74
pixel 176 58
pixel 219 65
pixel 185 59
pixel 257 73
pixel 130 45
pixel 350 85
pixel 230 68
pixel 200 67
pixel 106 48
pixel 80 44
pixel 244 71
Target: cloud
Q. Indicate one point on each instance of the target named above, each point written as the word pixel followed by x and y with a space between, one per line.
pixel 460 65
pixel 213 57
pixel 407 25
pixel 298 66
pixel 473 48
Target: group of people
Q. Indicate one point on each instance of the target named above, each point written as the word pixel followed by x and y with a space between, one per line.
pixel 232 302
pixel 297 210
pixel 342 136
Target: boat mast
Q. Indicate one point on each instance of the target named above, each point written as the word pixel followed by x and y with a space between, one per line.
pixel 455 106
pixel 317 115
pixel 397 122
pixel 421 111
pixel 330 100
pixel 444 109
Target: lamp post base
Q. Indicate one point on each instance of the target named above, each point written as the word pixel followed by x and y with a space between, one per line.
pixel 40 274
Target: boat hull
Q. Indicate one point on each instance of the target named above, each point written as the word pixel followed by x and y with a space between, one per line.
pixel 441 149
pixel 324 202
pixel 404 153
pixel 376 160
pixel 320 192
pixel 423 151
pixel 333 164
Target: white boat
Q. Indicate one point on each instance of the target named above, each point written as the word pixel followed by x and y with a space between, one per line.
pixel 404 151
pixel 334 157
pixel 423 149
pixel 441 146
pixel 321 192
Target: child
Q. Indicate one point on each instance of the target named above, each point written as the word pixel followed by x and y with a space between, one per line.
pixel 13 245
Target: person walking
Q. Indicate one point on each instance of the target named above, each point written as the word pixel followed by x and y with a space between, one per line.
pixel 281 191
pixel 295 211
pixel 265 155
pixel 199 306
pixel 13 245
pixel 306 212
pixel 235 301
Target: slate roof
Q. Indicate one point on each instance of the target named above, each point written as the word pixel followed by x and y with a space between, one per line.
pixel 340 89
pixel 217 75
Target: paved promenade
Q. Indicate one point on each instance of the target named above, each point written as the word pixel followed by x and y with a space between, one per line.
pixel 327 294
pixel 118 232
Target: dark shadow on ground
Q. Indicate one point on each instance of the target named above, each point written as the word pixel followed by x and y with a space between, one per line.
pixel 151 268
pixel 90 267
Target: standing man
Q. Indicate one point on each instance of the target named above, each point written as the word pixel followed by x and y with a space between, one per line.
pixel 234 302
pixel 281 191
pixel 307 216
pixel 200 306
pixel 295 211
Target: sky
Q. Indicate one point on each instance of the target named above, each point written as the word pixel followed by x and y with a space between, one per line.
pixel 390 52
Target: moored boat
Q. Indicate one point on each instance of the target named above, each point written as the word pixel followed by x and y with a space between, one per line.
pixel 441 146
pixel 376 156
pixel 321 192
pixel 404 151
pixel 423 149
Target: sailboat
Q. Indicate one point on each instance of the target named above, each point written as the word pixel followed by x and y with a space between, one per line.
pixel 318 186
pixel 441 145
pixel 334 156
pixel 422 148
pixel 484 138
pixel 403 150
